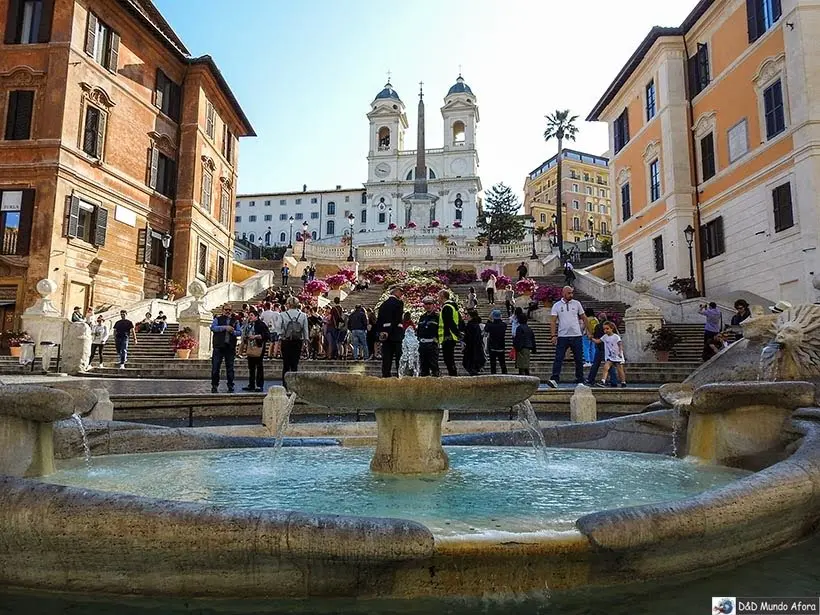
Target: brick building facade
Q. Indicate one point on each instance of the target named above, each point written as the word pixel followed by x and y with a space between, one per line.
pixel 112 136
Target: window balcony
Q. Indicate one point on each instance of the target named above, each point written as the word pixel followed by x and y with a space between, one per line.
pixel 9 245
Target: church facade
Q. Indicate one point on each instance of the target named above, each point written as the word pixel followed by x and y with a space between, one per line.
pixel 452 170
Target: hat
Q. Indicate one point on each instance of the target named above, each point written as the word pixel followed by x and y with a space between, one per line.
pixel 780 306
pixel 428 299
pixel 495 314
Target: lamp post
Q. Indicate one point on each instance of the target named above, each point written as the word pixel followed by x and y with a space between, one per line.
pixel 350 220
pixel 534 255
pixel 261 242
pixel 389 216
pixel 689 235
pixel 290 238
pixel 166 243
pixel 304 239
pixel 488 256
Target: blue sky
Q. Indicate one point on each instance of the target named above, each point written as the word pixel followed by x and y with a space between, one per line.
pixel 306 72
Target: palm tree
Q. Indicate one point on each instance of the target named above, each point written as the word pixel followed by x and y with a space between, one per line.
pixel 560 125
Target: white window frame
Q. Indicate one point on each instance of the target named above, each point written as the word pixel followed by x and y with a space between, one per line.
pixel 785 178
pixel 770 70
pixel 706 123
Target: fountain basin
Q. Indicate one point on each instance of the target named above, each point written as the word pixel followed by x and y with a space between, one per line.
pixel 409 411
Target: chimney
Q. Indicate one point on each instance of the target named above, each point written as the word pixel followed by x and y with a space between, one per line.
pixel 304 187
pixel 338 186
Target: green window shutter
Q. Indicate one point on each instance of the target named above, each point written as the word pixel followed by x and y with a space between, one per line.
pixel 100 225
pixel 100 145
pixel 91 34
pixel 113 53
pixel 26 220
pixel 46 17
pixel 12 18
pixel 159 90
pixel 73 206
pixel 153 167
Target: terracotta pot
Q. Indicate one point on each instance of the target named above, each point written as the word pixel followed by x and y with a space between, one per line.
pixel 662 356
pixel 183 353
pixel 15 351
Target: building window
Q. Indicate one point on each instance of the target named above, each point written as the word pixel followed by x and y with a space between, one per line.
pixel 298 201
pixel 163 173
pixel 227 144
pixel 28 22
pixel 363 217
pixel 313 235
pixel 331 227
pixel 589 190
pixel 313 200
pixel 251 237
pixel 576 224
pixel 283 217
pixel 626 203
pixel 210 119
pixel 590 207
pixel 314 215
pixel 16 215
pixel 102 43
pixel 167 95
pixel 207 185
pixel 601 209
pixel 251 218
pixel 657 252
pixel 760 16
pixel 586 177
pixel 382 217
pixel 604 229
pixel 650 100
pixel 237 219
pixel 224 208
pixel 18 115
pixel 654 181
pixel 576 205
pixel 300 216
pixel 267 203
pixel 220 268
pixel 783 213
pixel 202 259
pixel 364 198
pixel 282 237
pixel 86 221
pixel 459 214
pixel 711 239
pixel 630 268
pixel 699 70
pixel 575 188
pixel 774 110
pixel 283 201
pixel 268 218
pixel 707 157
pixel 543 218
pixel 621 131
pixel 94 124
pixel 331 208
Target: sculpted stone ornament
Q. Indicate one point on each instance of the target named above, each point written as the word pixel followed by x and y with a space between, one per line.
pixel 43 305
pixel 797 334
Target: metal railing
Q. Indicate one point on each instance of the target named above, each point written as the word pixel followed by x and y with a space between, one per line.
pixel 9 245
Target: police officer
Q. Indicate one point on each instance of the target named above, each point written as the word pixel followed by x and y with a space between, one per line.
pixel 427 332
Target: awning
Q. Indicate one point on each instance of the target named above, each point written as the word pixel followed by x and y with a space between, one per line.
pixel 5 303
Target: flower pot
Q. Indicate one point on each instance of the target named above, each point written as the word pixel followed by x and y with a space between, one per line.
pixel 15 351
pixel 183 353
pixel 662 356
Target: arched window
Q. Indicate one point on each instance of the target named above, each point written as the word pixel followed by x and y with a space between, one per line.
pixel 267 238
pixel 458 214
pixel 458 131
pixel 384 138
pixel 298 235
pixel 251 237
pixel 331 227
pixel 411 174
pixel 431 174
pixel 313 235
pixel 282 237
pixel 544 218
pixel 364 216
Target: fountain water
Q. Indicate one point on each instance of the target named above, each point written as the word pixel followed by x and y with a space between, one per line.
pixel 84 437
pixel 768 365
pixel 527 417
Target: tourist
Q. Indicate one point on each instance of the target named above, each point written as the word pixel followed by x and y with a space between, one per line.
pixel 598 357
pixel 255 336
pixel 312 272
pixel 332 332
pixel 160 323
pixel 613 352
pixel 472 299
pixel 569 273
pixel 144 326
pixel 568 315
pixel 388 326
pixel 273 319
pixel 372 334
pixel 473 358
pixel 589 345
pixel 226 329
pixel 293 335
pixel 409 357
pixel 99 336
pixel 77 314
pixel 89 317
pixel 491 282
pixel 524 344
pixel 315 350
pixel 449 330
pixel 428 337
pixel 496 333
pixel 522 271
pixel 716 344
pixel 285 274
pixel 357 326
pixel 517 313
pixel 713 325
pixel 122 328
pixel 509 299
pixel 741 312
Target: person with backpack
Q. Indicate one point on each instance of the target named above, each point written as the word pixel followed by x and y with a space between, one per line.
pixel 569 273
pixel 293 334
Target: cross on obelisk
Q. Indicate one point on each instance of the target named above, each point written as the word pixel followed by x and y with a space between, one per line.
pixel 421 89
pixel 388 75
pixel 459 70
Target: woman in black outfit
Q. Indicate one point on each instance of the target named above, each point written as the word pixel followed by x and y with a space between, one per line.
pixel 474 357
pixel 256 335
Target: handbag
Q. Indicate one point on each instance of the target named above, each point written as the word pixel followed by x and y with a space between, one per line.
pixel 253 351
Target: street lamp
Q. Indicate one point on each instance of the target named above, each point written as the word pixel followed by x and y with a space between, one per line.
pixel 166 243
pixel 389 216
pixel 260 242
pixel 290 239
pixel 488 256
pixel 304 239
pixel 689 235
pixel 350 220
pixel 534 255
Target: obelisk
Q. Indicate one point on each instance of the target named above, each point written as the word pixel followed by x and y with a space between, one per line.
pixel 420 206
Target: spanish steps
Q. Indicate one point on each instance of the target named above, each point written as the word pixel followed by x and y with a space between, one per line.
pixel 153 357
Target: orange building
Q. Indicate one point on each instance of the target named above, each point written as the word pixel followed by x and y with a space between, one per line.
pixel 585 192
pixel 113 136
pixel 713 125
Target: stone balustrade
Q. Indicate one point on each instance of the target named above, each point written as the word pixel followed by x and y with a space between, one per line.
pixel 428 252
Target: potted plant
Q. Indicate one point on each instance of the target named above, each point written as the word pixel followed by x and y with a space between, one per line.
pixel 173 289
pixel 443 239
pixel 526 287
pixel 435 224
pixel 391 226
pixel 14 339
pixel 684 287
pixel 399 239
pixel 336 281
pixel 411 224
pixel 663 341
pixel 316 288
pixel 183 342
pixel 457 224
pixel 547 294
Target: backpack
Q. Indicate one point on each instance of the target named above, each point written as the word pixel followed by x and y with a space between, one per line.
pixel 293 329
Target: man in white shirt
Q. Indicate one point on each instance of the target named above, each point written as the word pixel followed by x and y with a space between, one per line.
pixel 567 316
pixel 273 319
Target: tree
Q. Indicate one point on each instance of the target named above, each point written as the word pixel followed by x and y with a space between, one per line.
pixel 506 224
pixel 560 126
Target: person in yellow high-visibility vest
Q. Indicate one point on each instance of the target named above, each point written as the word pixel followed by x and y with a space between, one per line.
pixel 448 330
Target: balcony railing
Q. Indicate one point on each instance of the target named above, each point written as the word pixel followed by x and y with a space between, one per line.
pixel 366 254
pixel 9 246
